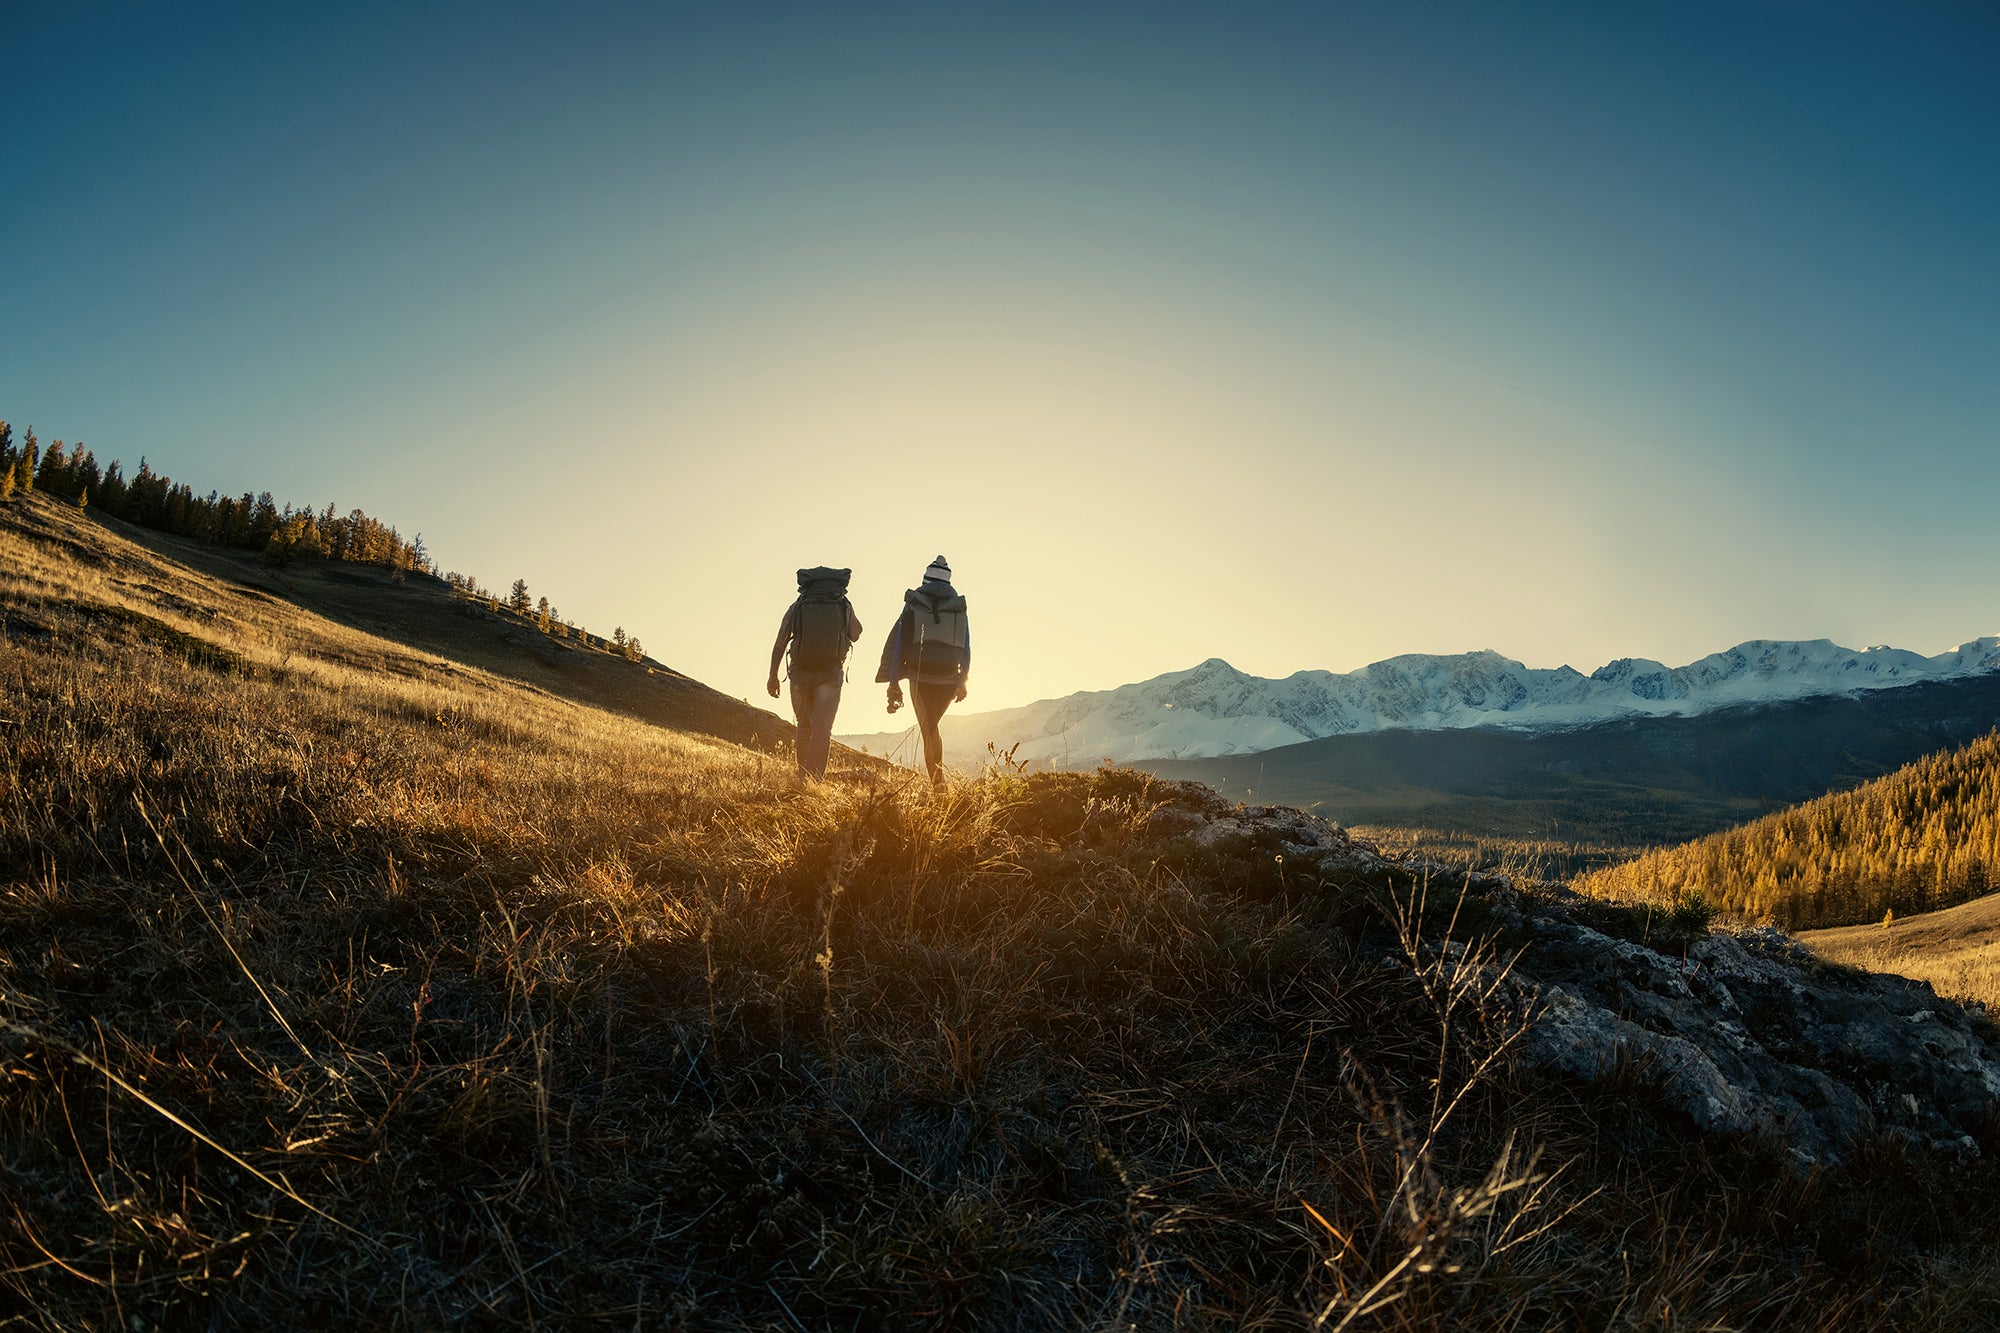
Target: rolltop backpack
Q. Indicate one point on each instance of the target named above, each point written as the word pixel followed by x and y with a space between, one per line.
pixel 938 634
pixel 819 627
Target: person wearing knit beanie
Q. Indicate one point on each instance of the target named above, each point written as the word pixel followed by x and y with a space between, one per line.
pixel 931 647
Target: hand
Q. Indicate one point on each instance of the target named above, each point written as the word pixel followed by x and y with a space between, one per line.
pixel 772 686
pixel 960 696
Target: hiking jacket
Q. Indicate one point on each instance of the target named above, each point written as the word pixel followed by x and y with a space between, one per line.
pixel 930 643
pixel 790 626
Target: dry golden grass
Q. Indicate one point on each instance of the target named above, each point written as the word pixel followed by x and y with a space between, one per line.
pixel 1957 950
pixel 346 986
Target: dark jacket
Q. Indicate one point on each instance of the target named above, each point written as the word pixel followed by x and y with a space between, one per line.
pixel 930 642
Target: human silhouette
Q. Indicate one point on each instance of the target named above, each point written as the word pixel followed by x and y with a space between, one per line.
pixel 931 648
pixel 818 627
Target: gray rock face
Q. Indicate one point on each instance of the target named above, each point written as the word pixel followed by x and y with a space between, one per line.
pixel 1741 1032
pixel 1752 1033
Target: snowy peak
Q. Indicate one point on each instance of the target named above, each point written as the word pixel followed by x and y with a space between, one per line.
pixel 1214 709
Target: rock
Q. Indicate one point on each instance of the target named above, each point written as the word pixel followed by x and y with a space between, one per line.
pixel 1739 1031
pixel 1750 1032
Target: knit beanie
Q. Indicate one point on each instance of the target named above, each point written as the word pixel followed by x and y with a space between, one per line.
pixel 939 571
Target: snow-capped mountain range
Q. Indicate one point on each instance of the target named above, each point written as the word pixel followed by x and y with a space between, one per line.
pixel 1214 709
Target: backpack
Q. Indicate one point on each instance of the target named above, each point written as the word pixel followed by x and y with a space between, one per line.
pixel 938 637
pixel 819 620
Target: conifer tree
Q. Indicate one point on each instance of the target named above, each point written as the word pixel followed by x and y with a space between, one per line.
pixel 83 474
pixel 542 615
pixel 618 638
pixel 6 447
pixel 83 498
pixel 49 473
pixel 111 494
pixel 24 466
pixel 517 598
pixel 264 519
pixel 7 482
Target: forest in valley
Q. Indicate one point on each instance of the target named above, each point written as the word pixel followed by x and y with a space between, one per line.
pixel 1924 837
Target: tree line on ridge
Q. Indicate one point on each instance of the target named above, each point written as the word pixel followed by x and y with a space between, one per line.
pixel 284 534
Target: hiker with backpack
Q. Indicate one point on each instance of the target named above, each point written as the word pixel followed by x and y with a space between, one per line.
pixel 818 628
pixel 931 648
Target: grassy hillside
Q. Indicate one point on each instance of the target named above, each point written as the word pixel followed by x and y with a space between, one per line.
pixel 1925 837
pixel 410 609
pixel 1609 791
pixel 341 985
pixel 1956 949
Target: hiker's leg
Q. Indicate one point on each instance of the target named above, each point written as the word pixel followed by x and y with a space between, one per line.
pixel 930 701
pixel 802 710
pixel 818 739
pixel 924 705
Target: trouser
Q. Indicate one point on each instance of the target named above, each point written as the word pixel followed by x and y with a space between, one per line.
pixel 815 699
pixel 928 701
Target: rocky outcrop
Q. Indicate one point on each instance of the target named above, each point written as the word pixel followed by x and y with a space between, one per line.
pixel 1743 1032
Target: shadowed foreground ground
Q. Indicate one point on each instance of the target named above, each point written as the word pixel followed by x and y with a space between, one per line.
pixel 341 985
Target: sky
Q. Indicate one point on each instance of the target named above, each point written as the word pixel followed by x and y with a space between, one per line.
pixel 1297 335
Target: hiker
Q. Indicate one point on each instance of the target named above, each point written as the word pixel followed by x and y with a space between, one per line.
pixel 931 648
pixel 819 628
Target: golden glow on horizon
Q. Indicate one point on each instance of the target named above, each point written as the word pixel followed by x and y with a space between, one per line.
pixel 1123 486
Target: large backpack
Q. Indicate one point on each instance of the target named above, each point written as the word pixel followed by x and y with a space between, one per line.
pixel 819 625
pixel 938 636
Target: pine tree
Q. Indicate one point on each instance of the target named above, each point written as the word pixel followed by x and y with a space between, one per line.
pixel 7 483
pixel 542 615
pixel 6 447
pixel 83 471
pixel 264 518
pixel 83 498
pixel 111 495
pixel 618 638
pixel 24 466
pixel 517 598
pixel 49 474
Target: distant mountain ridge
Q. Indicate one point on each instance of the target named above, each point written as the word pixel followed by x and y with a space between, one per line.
pixel 1214 710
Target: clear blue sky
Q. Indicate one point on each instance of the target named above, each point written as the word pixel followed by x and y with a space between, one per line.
pixel 1298 335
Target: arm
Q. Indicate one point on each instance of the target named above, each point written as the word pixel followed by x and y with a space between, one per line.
pixel 965 671
pixel 778 649
pixel 853 624
pixel 892 653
